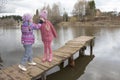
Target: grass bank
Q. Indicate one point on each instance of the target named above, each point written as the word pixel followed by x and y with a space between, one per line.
pixel 91 24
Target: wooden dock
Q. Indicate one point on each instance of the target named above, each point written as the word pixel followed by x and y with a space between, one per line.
pixel 59 56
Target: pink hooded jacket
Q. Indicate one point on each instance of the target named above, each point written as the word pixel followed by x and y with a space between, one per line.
pixel 47 35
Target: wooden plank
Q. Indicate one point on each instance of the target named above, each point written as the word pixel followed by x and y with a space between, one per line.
pixel 61 54
pixel 4 76
pixel 39 65
pixel 67 49
pixel 20 71
pixel 46 64
pixel 79 42
pixel 58 59
pixel 83 40
pixel 74 45
pixel 39 61
pixel 33 71
pixel 15 74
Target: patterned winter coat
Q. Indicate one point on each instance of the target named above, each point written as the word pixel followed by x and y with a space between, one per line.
pixel 27 32
pixel 47 31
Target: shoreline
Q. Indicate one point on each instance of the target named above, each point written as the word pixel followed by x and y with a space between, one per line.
pixel 95 24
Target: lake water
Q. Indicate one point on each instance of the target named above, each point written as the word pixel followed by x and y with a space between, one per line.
pixel 104 66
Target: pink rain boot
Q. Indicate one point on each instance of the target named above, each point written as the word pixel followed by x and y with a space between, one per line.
pixel 50 57
pixel 45 57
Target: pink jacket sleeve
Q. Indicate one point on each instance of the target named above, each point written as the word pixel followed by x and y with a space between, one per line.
pixel 53 30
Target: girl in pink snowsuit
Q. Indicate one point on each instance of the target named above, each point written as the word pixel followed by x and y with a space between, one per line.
pixel 47 34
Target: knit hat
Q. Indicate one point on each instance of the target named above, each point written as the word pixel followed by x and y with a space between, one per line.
pixel 43 14
pixel 27 17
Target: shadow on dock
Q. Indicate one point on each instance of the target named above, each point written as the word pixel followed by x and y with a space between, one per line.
pixel 69 73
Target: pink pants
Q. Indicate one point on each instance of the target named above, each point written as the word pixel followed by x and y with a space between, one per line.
pixel 47 49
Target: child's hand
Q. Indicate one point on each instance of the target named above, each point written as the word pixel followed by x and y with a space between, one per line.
pixel 39 24
pixel 40 21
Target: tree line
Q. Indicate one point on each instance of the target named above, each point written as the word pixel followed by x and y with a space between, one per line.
pixel 54 13
pixel 82 11
pixel 10 20
pixel 17 18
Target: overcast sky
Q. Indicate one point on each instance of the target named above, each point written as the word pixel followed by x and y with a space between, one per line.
pixel 29 6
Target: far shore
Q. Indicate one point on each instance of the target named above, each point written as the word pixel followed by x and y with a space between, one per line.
pixel 91 24
pixel 94 24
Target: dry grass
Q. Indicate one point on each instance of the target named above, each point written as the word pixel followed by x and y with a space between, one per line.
pixel 92 24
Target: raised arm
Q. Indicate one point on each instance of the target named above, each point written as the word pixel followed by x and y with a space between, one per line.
pixel 36 26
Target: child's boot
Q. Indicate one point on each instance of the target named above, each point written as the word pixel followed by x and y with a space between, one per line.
pixel 50 57
pixel 45 57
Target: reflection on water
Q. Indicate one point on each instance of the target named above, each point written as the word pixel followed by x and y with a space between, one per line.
pixel 105 65
pixel 69 73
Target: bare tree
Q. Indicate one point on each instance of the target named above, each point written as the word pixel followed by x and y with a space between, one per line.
pixel 55 10
pixel 49 11
pixel 79 9
pixel 55 13
pixel 65 16
pixel 92 7
pixel 36 17
pixel 2 4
